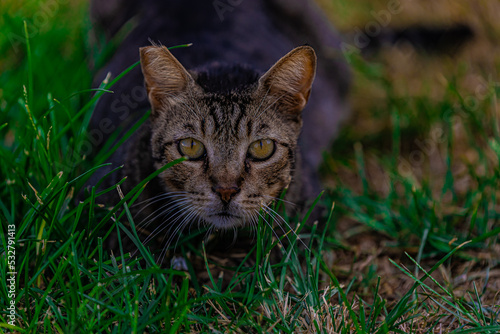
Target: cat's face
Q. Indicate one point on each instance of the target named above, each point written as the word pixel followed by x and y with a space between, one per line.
pixel 240 144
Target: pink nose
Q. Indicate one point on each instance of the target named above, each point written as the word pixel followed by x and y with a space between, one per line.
pixel 226 193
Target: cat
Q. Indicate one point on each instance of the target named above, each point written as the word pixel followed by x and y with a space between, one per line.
pixel 223 105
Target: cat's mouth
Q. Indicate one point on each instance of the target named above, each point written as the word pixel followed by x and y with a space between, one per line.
pixel 224 219
pixel 224 214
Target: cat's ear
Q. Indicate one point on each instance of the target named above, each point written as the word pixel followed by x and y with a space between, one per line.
pixel 290 79
pixel 165 78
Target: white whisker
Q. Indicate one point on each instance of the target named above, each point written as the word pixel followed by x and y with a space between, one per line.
pixel 164 211
pixel 275 215
pixel 178 232
pixel 163 195
pixel 168 222
pixel 280 199
pixel 168 202
pixel 272 229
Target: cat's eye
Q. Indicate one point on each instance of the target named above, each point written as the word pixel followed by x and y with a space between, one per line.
pixel 261 149
pixel 191 148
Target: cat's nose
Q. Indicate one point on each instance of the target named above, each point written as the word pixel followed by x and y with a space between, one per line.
pixel 226 194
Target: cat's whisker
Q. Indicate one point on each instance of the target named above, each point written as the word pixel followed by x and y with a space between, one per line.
pixel 171 236
pixel 186 216
pixel 153 234
pixel 199 222
pixel 197 210
pixel 157 230
pixel 275 215
pixel 177 233
pixel 279 199
pixel 162 226
pixel 175 218
pixel 162 195
pixel 167 203
pixel 157 199
pixel 272 229
pixel 186 221
pixel 255 220
pixel 161 211
pixel 166 208
pixel 208 233
pixel 235 236
pixel 253 226
pixel 285 233
pixel 158 212
pixel 168 222
pixel 277 218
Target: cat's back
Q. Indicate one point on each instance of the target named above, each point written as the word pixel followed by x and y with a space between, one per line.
pixel 254 32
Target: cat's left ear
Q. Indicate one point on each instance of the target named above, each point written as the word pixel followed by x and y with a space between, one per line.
pixel 290 79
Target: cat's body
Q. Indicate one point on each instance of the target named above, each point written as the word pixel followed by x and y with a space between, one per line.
pixel 225 104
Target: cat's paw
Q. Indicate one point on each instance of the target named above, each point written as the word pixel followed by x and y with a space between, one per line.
pixel 178 263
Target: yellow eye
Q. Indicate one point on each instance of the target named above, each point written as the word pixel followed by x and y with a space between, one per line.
pixel 191 148
pixel 261 149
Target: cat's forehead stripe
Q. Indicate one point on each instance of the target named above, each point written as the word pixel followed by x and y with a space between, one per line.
pixel 241 112
pixel 203 125
pixel 189 127
pixel 226 117
pixel 213 114
pixel 249 128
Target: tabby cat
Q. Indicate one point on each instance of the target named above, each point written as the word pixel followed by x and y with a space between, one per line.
pixel 223 105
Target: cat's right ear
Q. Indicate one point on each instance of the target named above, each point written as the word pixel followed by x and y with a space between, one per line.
pixel 165 78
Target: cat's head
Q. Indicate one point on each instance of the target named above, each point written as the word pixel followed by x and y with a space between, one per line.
pixel 238 133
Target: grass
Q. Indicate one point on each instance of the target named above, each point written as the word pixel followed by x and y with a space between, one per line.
pixel 410 246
